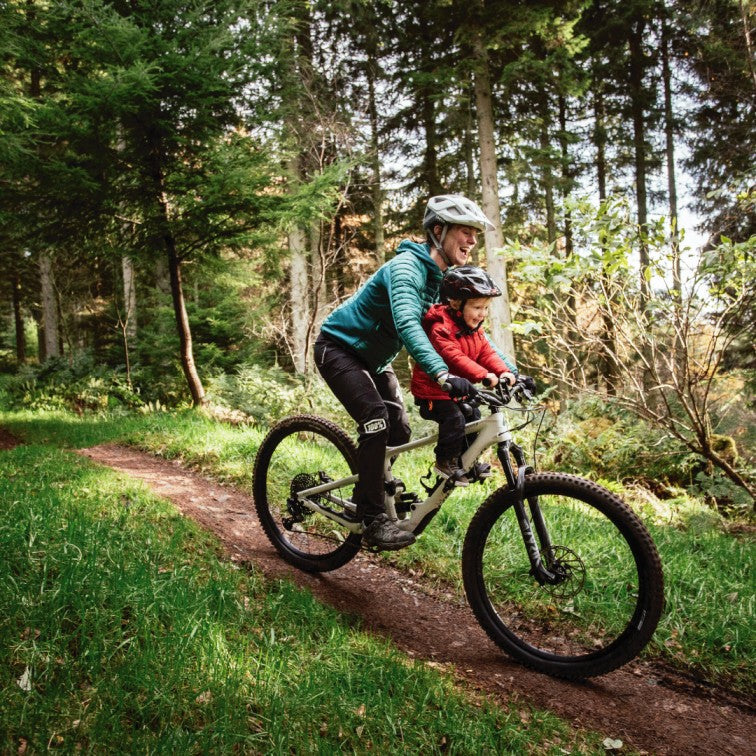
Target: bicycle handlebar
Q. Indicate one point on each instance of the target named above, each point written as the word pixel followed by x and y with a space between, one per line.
pixel 502 394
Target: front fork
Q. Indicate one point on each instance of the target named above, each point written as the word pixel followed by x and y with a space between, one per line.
pixel 506 451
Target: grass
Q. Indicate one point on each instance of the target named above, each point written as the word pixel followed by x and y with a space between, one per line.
pixel 122 627
pixel 707 628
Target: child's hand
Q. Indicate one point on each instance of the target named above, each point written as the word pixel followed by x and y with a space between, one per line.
pixel 510 378
pixel 490 380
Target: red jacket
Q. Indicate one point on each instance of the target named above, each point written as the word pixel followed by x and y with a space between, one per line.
pixel 467 353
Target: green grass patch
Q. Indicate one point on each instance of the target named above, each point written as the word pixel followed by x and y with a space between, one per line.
pixel 120 627
pixel 707 627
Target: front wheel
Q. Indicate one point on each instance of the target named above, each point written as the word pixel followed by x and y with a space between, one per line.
pixel 302 452
pixel 608 593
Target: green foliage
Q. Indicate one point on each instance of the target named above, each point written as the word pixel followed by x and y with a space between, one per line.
pixel 79 385
pixel 597 438
pixel 659 349
pixel 265 393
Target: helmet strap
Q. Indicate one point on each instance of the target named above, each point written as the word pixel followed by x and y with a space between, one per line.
pixel 438 244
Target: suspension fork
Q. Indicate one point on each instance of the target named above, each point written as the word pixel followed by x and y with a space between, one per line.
pixel 516 482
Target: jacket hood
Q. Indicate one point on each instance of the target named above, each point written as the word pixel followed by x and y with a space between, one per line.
pixel 420 251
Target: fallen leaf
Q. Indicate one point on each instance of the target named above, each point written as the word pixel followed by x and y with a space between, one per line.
pixel 360 710
pixel 359 730
pixel 610 744
pixel 24 682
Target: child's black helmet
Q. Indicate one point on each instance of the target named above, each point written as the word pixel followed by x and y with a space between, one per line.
pixel 468 282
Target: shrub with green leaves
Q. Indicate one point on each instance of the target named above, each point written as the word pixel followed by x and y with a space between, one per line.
pixel 77 384
pixel 268 394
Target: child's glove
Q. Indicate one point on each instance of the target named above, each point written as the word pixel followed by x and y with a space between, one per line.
pixel 456 387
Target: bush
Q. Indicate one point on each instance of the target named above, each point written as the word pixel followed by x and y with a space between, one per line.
pixel 268 393
pixel 594 437
pixel 77 385
pixel 597 438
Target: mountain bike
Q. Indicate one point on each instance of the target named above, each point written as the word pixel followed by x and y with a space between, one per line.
pixel 559 571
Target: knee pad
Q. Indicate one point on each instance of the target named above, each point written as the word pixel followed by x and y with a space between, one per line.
pixel 374 426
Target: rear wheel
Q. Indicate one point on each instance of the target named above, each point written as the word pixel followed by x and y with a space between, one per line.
pixel 607 595
pixel 302 452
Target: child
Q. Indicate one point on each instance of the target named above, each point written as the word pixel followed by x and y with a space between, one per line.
pixel 454 329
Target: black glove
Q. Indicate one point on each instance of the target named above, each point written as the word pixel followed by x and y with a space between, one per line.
pixel 457 387
pixel 527 383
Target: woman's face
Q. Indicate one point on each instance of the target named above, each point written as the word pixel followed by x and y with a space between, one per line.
pixel 458 243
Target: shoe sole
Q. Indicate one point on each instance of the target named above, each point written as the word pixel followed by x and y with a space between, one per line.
pixel 389 546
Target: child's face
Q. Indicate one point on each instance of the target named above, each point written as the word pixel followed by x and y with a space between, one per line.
pixel 475 311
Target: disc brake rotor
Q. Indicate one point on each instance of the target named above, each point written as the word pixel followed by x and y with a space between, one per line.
pixel 569 569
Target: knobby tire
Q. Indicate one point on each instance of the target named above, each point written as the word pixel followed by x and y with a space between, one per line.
pixel 297 451
pixel 612 565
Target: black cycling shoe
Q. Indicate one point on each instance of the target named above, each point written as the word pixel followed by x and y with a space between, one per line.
pixel 449 468
pixel 384 534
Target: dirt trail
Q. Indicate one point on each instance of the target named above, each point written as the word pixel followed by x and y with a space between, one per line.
pixel 646 706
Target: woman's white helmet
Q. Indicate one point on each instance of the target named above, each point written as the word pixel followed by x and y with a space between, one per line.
pixel 454 208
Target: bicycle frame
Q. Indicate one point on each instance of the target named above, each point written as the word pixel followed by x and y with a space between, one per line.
pixel 491 430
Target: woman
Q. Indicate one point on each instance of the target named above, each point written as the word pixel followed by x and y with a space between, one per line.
pixel 360 339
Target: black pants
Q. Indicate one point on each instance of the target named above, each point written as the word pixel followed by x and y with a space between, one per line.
pixel 375 403
pixel 451 418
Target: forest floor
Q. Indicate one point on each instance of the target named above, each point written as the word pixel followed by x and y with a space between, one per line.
pixel 648 706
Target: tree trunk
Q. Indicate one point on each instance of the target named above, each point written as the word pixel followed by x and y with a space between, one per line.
pixel 375 160
pixel 566 175
pixel 196 389
pixel 49 307
pixel 319 269
pixel 547 177
pixel 472 189
pixel 669 133
pixel 608 366
pixel 18 318
pixel 129 319
pixel 744 16
pixel 637 101
pixel 568 240
pixel 494 239
pixel 299 288
pixel 129 298
pixel 300 311
pixel 430 161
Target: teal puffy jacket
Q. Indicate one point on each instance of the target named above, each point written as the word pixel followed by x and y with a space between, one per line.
pixel 386 313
